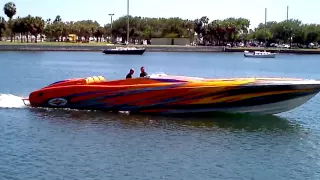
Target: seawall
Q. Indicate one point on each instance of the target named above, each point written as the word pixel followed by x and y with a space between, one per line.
pixel 274 50
pixel 100 48
pixel 149 48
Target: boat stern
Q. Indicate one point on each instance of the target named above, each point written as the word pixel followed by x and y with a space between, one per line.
pixel 26 101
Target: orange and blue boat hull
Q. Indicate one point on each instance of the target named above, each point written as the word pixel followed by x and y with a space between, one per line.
pixel 174 94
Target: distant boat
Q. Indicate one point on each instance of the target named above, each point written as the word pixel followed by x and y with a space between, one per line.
pixel 259 54
pixel 262 54
pixel 125 50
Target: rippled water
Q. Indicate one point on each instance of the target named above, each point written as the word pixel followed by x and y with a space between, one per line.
pixel 68 144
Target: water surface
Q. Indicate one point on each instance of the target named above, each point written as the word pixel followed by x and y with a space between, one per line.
pixel 68 144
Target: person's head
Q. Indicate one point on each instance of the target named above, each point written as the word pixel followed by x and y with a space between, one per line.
pixel 131 71
pixel 142 69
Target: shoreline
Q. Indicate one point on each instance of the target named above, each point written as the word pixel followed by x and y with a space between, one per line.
pixel 99 48
pixel 275 50
pixel 149 48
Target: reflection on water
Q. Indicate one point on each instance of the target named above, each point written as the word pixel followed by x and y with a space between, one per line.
pixel 234 122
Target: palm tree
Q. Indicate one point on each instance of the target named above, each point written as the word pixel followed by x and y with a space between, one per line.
pixel 29 21
pixel 10 10
pixel 38 27
pixel 57 19
pixel 2 26
pixel 16 26
pixel 48 21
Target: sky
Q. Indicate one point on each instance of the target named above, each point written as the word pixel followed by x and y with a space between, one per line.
pixel 73 10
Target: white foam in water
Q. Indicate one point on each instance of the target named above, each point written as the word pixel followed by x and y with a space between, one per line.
pixel 11 101
pixel 157 74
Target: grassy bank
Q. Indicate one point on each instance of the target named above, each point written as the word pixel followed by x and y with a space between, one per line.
pixel 96 46
pixel 276 50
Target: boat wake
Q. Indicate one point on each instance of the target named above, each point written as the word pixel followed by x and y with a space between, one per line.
pixel 11 101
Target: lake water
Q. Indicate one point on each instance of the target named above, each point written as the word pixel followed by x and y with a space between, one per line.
pixel 68 144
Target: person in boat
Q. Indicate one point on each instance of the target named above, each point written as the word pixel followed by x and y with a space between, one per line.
pixel 129 75
pixel 143 72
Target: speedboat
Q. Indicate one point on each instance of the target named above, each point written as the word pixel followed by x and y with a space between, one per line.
pixel 125 50
pixel 169 94
pixel 260 54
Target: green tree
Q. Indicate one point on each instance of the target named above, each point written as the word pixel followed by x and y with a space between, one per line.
pixel 2 27
pixel 10 10
pixel 261 34
pixel 215 32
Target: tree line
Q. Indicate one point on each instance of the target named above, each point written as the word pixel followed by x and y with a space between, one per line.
pixel 215 32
